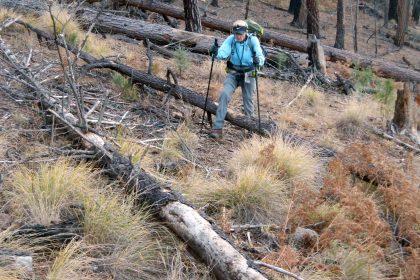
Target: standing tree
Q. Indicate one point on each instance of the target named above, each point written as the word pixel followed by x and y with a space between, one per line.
pixel 403 14
pixel 247 9
pixel 356 12
pixel 386 13
pixel 299 14
pixel 416 11
pixel 393 10
pixel 339 36
pixel 192 16
pixel 293 5
pixel 215 3
pixel 312 18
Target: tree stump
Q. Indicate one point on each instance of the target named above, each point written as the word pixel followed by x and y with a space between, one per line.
pixel 316 54
pixel 406 107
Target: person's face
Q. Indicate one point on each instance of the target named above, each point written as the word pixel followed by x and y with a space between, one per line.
pixel 240 37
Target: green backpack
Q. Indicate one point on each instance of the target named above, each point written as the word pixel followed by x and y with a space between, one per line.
pixel 254 28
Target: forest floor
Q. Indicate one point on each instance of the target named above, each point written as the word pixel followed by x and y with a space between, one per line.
pixel 363 205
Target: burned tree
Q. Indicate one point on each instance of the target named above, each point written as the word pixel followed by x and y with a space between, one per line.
pixel 215 3
pixel 312 18
pixel 299 14
pixel 339 36
pixel 416 11
pixel 403 13
pixel 293 4
pixel 386 12
pixel 405 110
pixel 393 10
pixel 192 16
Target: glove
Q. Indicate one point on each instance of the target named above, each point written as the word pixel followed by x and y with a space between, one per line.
pixel 214 50
pixel 256 61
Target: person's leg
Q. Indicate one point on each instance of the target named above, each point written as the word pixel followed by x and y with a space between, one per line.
pixel 248 90
pixel 229 86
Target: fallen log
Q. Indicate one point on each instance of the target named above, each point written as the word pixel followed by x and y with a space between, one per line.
pixel 32 6
pixel 267 127
pixel 381 67
pixel 225 261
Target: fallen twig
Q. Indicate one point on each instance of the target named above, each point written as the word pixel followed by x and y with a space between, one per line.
pixel 301 91
pixel 278 269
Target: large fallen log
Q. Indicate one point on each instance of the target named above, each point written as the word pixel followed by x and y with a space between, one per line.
pixel 381 67
pixel 32 6
pixel 225 261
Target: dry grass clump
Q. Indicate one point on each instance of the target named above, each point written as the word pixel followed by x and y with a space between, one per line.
pixel 283 158
pixel 354 116
pixel 254 196
pixel 350 263
pixel 40 196
pixel 219 71
pixel 66 24
pixel 73 262
pixel 128 240
pixel 129 91
pixel 178 143
pixel 312 96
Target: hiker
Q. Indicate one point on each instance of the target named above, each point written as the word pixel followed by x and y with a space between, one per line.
pixel 244 54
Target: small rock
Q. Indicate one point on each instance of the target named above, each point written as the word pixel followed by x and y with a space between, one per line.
pixel 304 238
pixel 22 261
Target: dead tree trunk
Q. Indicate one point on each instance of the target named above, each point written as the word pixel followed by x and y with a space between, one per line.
pixel 403 14
pixel 292 6
pixel 339 36
pixel 405 115
pixel 215 3
pixel 299 14
pixel 160 34
pixel 416 11
pixel 247 9
pixel 393 10
pixel 192 16
pixel 356 12
pixel 386 13
pixel 316 54
pixel 312 18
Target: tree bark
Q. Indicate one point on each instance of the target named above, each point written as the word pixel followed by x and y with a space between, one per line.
pixel 386 13
pixel 405 116
pixel 299 14
pixel 192 16
pixel 247 9
pixel 403 14
pixel 312 18
pixel 356 12
pixel 393 10
pixel 215 3
pixel 160 34
pixel 292 6
pixel 339 36
pixel 316 54
pixel 416 11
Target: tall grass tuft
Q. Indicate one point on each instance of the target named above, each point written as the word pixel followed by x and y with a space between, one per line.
pixel 130 241
pixel 125 85
pixel 178 143
pixel 254 196
pixel 283 158
pixel 40 196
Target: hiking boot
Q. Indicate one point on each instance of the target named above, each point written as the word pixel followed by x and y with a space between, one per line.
pixel 216 133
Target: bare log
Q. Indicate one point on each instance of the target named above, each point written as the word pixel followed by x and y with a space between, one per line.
pixel 382 68
pixel 32 6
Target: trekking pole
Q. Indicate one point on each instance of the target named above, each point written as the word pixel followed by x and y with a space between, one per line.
pixel 258 99
pixel 208 86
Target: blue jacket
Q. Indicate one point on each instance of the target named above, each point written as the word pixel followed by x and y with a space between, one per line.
pixel 241 55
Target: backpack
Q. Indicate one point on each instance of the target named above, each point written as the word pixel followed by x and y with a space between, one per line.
pixel 254 29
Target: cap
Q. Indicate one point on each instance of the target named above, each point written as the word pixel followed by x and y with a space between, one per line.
pixel 239 27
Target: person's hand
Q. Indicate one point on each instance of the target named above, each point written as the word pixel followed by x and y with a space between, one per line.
pixel 214 50
pixel 256 61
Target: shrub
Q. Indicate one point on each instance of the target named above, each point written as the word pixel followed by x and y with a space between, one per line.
pixel 363 77
pixel 182 60
pixel 282 59
pixel 386 96
pixel 128 89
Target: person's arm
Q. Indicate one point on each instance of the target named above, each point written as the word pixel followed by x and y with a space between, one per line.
pixel 226 48
pixel 257 49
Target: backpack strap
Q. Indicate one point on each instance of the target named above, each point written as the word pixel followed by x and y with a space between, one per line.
pixel 250 45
